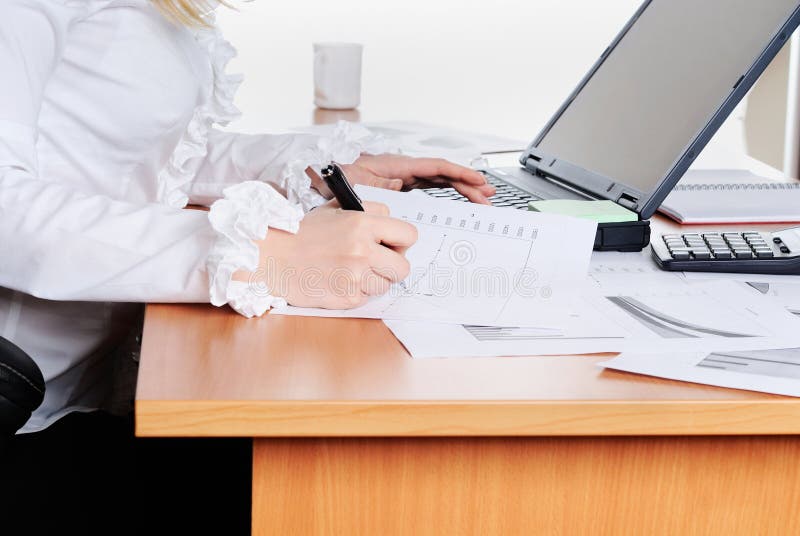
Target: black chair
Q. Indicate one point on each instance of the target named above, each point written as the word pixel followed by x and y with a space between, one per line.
pixel 21 389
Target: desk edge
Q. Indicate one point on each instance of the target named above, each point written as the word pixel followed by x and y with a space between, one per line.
pixel 373 418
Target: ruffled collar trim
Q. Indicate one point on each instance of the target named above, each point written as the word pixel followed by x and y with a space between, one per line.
pixel 218 108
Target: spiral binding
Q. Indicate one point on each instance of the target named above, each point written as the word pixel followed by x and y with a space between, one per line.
pixel 747 186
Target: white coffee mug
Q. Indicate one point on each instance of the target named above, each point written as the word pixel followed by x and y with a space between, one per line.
pixel 337 75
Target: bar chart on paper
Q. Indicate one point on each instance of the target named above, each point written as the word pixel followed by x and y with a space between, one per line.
pixel 770 370
pixel 780 363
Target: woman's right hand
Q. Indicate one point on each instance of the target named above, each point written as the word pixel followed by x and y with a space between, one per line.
pixel 337 259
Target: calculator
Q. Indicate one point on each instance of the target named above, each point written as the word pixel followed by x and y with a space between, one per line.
pixel 749 252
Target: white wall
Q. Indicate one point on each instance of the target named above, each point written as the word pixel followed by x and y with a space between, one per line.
pixel 765 120
pixel 499 66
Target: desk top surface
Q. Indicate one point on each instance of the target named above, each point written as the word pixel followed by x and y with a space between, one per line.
pixel 207 371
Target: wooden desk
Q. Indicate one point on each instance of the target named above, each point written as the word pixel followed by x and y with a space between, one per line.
pixel 352 436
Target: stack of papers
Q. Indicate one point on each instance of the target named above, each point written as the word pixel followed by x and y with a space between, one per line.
pixel 626 305
pixel 488 281
pixel 771 370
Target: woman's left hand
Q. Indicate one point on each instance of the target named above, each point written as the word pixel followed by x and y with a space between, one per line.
pixel 397 172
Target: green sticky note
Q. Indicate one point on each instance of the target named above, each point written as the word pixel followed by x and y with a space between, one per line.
pixel 600 211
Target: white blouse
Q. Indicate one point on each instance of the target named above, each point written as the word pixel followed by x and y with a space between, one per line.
pixel 106 133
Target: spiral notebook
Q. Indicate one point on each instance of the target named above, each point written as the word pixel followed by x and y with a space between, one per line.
pixel 732 196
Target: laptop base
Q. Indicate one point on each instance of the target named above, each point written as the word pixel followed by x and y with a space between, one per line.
pixel 516 187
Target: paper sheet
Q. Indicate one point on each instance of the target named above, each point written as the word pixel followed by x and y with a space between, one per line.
pixel 769 371
pixel 631 306
pixel 784 288
pixel 481 265
pixel 761 278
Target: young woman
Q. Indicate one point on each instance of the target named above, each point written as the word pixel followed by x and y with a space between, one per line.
pixel 107 132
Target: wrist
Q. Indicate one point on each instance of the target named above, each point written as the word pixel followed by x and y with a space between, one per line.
pixel 274 252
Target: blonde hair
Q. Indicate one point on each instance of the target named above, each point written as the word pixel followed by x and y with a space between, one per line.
pixel 188 12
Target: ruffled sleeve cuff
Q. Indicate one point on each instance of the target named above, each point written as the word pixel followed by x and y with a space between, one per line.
pixel 344 146
pixel 243 215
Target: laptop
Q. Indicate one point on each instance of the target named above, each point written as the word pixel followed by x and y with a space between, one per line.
pixel 646 109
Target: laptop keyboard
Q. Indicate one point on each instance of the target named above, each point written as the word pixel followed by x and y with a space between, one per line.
pixel 506 196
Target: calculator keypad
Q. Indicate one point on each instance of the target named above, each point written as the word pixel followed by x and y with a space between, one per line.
pixel 720 246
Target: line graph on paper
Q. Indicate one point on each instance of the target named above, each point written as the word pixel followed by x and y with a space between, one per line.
pixel 462 264
pixel 479 264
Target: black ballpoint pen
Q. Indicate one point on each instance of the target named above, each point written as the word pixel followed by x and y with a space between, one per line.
pixel 340 186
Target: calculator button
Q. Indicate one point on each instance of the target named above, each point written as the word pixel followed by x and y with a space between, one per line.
pixel 724 254
pixel 680 255
pixel 784 249
pixel 764 254
pixel 776 240
pixel 699 252
pixel 741 254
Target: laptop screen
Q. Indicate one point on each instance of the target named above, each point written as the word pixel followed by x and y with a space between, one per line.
pixel 660 85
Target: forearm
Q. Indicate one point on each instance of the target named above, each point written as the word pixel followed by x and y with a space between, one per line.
pixel 289 162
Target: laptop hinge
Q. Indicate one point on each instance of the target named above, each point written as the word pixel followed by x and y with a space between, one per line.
pixel 628 201
pixel 532 163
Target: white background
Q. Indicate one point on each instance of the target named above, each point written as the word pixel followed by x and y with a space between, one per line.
pixel 499 66
pixel 495 66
